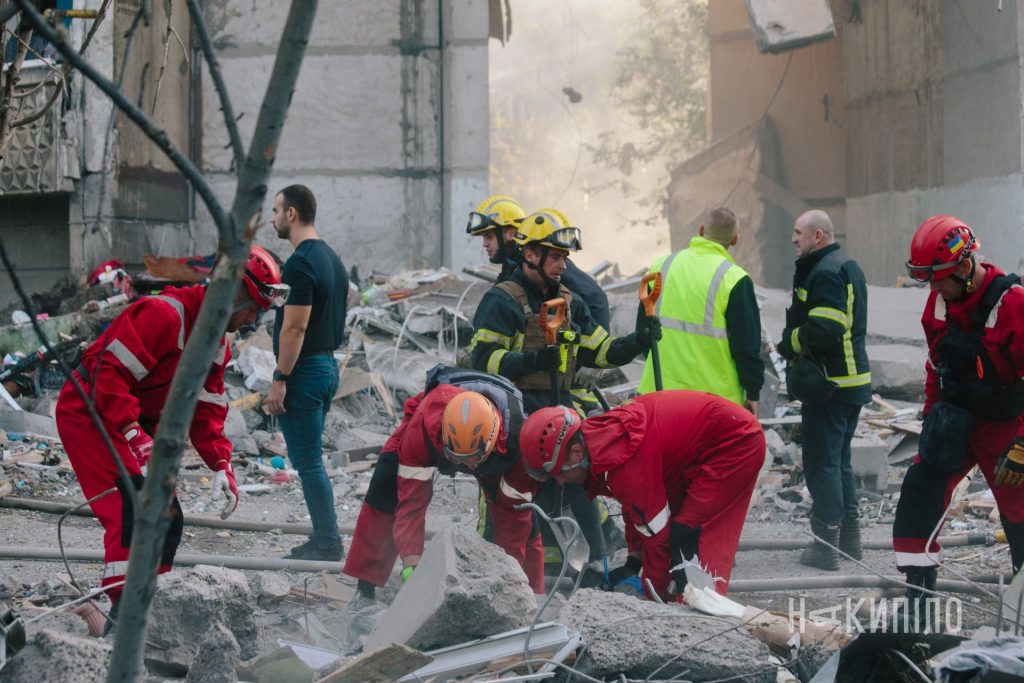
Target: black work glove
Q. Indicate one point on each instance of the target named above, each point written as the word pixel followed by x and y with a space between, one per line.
pixel 683 543
pixel 547 358
pixel 648 332
pixel 630 569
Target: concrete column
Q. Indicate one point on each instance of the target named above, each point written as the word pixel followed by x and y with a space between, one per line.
pixel 464 125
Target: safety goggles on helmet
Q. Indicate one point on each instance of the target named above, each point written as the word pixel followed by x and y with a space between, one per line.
pixel 479 222
pixel 275 295
pixel 928 273
pixel 565 238
pixel 467 459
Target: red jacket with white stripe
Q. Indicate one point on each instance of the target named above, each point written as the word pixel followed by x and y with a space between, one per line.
pixel 417 441
pixel 1003 338
pixel 652 455
pixel 131 365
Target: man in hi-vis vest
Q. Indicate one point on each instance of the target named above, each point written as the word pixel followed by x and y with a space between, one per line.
pixel 711 338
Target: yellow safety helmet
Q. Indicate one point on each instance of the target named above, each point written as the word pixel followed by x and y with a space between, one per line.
pixel 549 228
pixel 497 211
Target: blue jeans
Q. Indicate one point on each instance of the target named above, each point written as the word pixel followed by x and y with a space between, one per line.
pixel 309 391
pixel 827 431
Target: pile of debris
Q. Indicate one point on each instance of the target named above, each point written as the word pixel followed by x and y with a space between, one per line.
pixel 467 612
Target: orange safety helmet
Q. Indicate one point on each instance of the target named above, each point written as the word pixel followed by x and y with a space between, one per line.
pixel 469 429
pixel 263 279
pixel 938 247
pixel 544 440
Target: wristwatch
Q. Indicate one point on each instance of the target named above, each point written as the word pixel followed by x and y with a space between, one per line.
pixel 280 376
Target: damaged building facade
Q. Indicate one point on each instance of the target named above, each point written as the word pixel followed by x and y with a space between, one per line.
pixel 388 126
pixel 912 109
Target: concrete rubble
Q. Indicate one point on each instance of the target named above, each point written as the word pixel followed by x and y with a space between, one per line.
pixel 463 588
pixel 639 639
pixel 56 656
pixel 191 601
pixel 218 624
pixel 217 658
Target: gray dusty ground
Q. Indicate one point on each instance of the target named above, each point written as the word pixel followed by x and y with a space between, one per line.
pixel 327 625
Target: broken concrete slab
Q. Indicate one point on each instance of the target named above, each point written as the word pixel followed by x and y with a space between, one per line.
pixel 269 588
pixel 639 638
pixel 897 370
pixel 279 666
pixel 217 657
pixel 386 663
pixel 463 588
pixel 22 422
pixel 869 456
pixel 188 602
pixel 55 656
pixel 234 424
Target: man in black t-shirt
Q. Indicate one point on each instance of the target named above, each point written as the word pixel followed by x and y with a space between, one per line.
pixel 306 333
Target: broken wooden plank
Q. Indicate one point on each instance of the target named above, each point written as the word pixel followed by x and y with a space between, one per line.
pixel 908 427
pixel 386 663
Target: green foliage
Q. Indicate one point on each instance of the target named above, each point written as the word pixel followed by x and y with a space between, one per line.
pixel 660 82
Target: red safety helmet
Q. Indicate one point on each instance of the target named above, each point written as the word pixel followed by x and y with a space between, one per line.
pixel 544 440
pixel 263 279
pixel 938 247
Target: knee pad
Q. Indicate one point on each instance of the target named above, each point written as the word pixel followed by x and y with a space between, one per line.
pixel 383 491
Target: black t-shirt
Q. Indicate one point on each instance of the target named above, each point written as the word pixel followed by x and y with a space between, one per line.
pixel 318 279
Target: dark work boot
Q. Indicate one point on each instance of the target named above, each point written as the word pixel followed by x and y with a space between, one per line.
pixel 819 555
pixel 921 607
pixel 849 537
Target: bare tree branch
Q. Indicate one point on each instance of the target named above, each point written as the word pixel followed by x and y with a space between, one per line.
pixel 138 117
pixel 152 522
pixel 230 122
pixel 168 32
pixel 31 118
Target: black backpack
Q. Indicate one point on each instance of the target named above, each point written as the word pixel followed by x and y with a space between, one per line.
pixel 500 391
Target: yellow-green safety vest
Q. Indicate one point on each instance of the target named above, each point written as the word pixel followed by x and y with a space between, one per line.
pixel 694 348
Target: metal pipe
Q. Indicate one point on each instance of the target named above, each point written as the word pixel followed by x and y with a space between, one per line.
pixel 953 541
pixel 830 582
pixel 13 552
pixel 190 520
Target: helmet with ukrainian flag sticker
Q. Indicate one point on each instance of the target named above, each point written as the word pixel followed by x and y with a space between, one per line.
pixel 939 246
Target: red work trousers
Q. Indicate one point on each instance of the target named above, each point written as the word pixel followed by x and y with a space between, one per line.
pixel 96 471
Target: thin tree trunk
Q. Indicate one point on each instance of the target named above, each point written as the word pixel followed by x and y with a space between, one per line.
pixel 152 520
pixel 235 231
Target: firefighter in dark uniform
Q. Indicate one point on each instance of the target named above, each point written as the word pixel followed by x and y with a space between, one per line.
pixel 509 341
pixel 974 395
pixel 496 221
pixel 826 325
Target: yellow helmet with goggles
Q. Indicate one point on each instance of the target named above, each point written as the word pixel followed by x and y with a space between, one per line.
pixel 497 211
pixel 549 228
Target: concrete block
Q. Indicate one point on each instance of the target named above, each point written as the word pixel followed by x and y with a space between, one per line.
pixel 234 425
pixel 637 638
pixel 189 601
pixel 20 422
pixel 217 658
pixel 897 370
pixel 869 457
pixel 464 588
pixel 268 588
pixel 55 656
